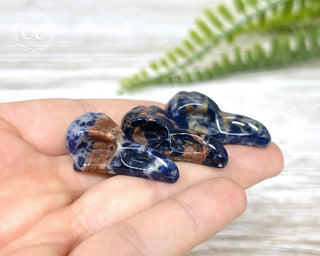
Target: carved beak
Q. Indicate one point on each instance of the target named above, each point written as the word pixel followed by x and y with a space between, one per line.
pixel 238 129
pixel 151 126
pixel 97 144
pixel 196 111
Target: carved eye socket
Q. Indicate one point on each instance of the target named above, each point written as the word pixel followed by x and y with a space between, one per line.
pixel 238 126
pixel 243 127
pixel 187 145
pixel 139 161
pixel 152 134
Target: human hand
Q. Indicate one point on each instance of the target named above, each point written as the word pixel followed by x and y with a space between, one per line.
pixel 49 209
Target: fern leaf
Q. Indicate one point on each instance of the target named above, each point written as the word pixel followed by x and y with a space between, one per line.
pixel 253 3
pixel 280 16
pixel 291 15
pixel 180 52
pixel 164 63
pixel 213 19
pixel 204 28
pixel 281 53
pixel 172 57
pixel 240 6
pixel 301 45
pixel 262 19
pixel 260 57
pixel 314 40
pixel 287 10
pixel 217 70
pixel 238 58
pixel 189 46
pixel 225 13
pixel 196 37
pixel 249 60
pixel 154 66
pixel 302 4
pixel 226 63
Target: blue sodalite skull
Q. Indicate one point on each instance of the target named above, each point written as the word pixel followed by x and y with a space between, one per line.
pixel 196 111
pixel 97 144
pixel 151 126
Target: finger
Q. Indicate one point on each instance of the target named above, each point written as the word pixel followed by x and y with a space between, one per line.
pixel 174 226
pixel 118 198
pixel 247 166
pixel 134 195
pixel 26 186
pixel 43 123
pixel 12 150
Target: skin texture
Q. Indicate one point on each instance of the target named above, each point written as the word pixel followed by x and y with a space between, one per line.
pixel 49 209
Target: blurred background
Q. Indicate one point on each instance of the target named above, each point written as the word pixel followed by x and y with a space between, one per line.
pixel 80 49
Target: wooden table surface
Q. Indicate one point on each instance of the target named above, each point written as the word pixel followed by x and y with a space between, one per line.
pixel 95 43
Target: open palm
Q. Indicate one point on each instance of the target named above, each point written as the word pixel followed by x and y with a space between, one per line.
pixel 48 209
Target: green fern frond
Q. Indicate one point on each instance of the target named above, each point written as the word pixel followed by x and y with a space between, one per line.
pixel 290 15
pixel 213 19
pixel 240 6
pixel 224 24
pixel 225 13
pixel 284 50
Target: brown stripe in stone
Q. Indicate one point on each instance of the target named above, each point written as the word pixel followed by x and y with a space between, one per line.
pixel 195 151
pixel 105 134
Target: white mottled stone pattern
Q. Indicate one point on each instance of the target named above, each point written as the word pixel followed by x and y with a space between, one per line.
pixel 77 134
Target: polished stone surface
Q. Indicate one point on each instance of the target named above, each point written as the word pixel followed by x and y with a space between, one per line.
pixel 151 126
pixel 196 111
pixel 97 144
